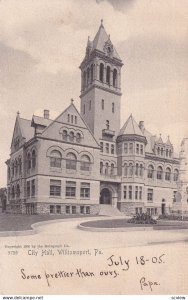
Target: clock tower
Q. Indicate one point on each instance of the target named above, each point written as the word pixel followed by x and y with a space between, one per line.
pixel 101 87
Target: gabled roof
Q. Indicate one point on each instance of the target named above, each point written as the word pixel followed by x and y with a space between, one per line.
pixel 101 39
pixel 131 127
pixel 159 140
pixel 41 121
pixel 27 130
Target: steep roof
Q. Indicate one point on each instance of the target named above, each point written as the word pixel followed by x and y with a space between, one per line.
pixel 101 39
pixel 131 127
pixel 27 130
pixel 41 121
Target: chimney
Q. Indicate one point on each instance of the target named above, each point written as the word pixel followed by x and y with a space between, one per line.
pixel 46 114
pixel 141 125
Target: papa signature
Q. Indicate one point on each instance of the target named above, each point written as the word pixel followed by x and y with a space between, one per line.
pixel 144 284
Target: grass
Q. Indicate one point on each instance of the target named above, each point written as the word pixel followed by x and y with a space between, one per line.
pixel 10 222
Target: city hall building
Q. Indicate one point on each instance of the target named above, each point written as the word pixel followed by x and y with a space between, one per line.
pixel 83 162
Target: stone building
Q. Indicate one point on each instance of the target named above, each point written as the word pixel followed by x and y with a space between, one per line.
pixel 82 161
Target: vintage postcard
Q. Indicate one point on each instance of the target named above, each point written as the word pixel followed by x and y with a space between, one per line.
pixel 94 148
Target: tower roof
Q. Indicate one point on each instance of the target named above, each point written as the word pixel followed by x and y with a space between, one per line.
pixel 131 127
pixel 101 40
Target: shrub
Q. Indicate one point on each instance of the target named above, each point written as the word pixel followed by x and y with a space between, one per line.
pixel 143 218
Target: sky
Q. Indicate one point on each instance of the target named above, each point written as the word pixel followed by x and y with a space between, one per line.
pixel 42 44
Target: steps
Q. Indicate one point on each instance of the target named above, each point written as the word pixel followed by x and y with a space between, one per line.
pixel 108 210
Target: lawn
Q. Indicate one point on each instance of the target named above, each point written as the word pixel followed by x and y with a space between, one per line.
pixel 10 222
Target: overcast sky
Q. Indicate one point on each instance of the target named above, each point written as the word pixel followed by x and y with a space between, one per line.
pixel 42 43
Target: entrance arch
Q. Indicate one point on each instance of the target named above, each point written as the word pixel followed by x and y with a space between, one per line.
pixel 106 196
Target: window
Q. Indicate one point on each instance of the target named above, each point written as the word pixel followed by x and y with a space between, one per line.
pixel 108 75
pixel 72 119
pixel 136 169
pixel 33 159
pixel 78 138
pixel 84 109
pixel 141 170
pixel 13 169
pixel 107 148
pixel 162 151
pixel 13 193
pixel 106 169
pixel 176 174
pixel 16 167
pixel 82 209
pixel 55 159
pixel 64 135
pixel 28 161
pixel 136 192
pixel 125 192
pixel 112 149
pixel 125 148
pixel 112 169
pixel 73 210
pixel 28 189
pixel 101 72
pixel 113 107
pixel 102 104
pixel 87 210
pixel 130 191
pixel 170 153
pixel 107 124
pixel 55 187
pixel 52 209
pixel 70 189
pixel 166 152
pixel 67 209
pixel 150 171
pixel 58 209
pixel 131 148
pixel 101 167
pixel 158 151
pixel 114 78
pixel 168 174
pixel 85 190
pixel 137 148
pixel 8 172
pixel 20 165
pixel 141 149
pixel 68 118
pixel 33 187
pixel 150 195
pixel 18 191
pixel 174 196
pixel 71 161
pixel 131 170
pixel 159 173
pixel 85 163
pixel 91 77
pixel 75 119
pixel 125 170
pixel 140 193
pixel 71 136
pixel 101 145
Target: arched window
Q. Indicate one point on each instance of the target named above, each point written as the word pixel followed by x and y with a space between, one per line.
pixel 108 75
pixel 91 73
pixel 101 167
pixel 125 170
pixel 106 168
pixel 168 174
pixel 64 135
pixel 158 151
pixel 141 170
pixel 170 153
pixel 101 72
pixel 78 138
pixel 176 175
pixel 20 165
pixel 136 169
pixel 71 161
pixel 33 158
pixel 13 192
pixel 131 169
pixel 16 167
pixel 55 159
pixel 166 152
pixel 71 136
pixel 115 78
pixel 18 191
pixel 162 151
pixel 84 84
pixel 112 169
pixel 85 163
pixel 88 71
pixel 28 161
pixel 150 171
pixel 159 172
